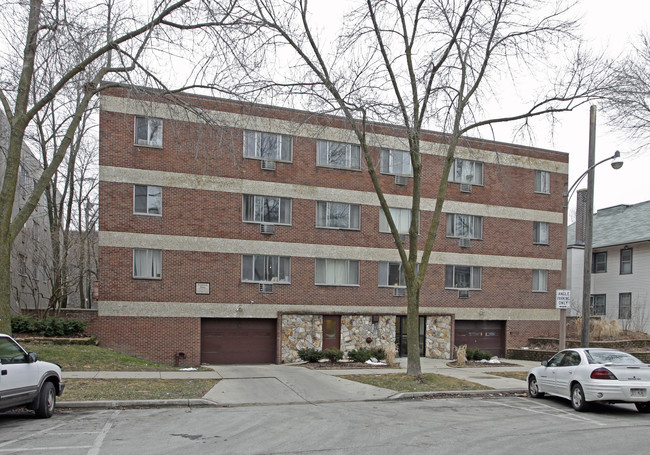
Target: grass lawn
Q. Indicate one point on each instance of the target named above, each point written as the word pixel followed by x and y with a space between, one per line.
pixel 78 357
pixel 521 375
pixel 134 389
pixel 426 382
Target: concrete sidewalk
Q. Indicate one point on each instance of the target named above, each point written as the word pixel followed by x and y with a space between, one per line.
pixel 242 385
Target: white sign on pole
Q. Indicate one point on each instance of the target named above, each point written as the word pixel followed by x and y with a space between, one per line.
pixel 562 299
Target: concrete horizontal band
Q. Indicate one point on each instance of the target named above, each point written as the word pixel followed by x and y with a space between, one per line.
pixel 240 186
pixel 264 247
pixel 274 125
pixel 266 311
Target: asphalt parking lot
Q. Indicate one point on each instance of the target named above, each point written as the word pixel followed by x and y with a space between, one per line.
pixel 447 425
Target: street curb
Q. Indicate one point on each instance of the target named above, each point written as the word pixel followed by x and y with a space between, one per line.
pixel 178 403
pixel 456 393
pixel 203 403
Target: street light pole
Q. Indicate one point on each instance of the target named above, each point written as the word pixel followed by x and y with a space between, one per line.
pixel 617 163
pixel 589 220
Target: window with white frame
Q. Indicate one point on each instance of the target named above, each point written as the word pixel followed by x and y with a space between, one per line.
pixel 462 277
pixel 540 232
pixel 36 230
pixel 266 269
pixel 598 303
pixel 625 305
pixel 147 200
pixel 267 146
pixel 148 131
pixel 540 280
pixel 464 226
pixel 147 263
pixel 23 175
pixel 22 265
pixel 338 154
pixel 391 274
pixel 396 162
pixel 337 272
pixel 542 182
pixel 266 209
pixel 466 171
pixel 337 215
pixel 626 261
pixel 401 218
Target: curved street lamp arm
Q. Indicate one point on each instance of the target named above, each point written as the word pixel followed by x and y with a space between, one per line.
pixel 568 194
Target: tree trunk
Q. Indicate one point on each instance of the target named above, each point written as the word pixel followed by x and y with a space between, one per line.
pixel 55 280
pixel 5 288
pixel 82 266
pixel 413 330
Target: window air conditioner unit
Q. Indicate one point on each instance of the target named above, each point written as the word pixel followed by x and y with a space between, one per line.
pixel 465 187
pixel 463 293
pixel 267 228
pixel 268 165
pixel 401 180
pixel 266 288
pixel 464 242
pixel 399 292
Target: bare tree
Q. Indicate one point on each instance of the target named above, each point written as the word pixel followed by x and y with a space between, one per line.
pixel 414 64
pixel 49 47
pixel 63 193
pixel 87 217
pixel 627 101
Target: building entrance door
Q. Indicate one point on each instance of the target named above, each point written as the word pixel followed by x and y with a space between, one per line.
pixel 331 332
pixel 401 335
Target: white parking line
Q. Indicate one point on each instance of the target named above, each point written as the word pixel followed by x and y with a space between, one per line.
pixel 31 435
pixel 554 412
pixel 99 440
pixel 45 449
pixel 61 433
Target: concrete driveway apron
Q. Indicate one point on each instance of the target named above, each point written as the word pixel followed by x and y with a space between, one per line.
pixel 286 384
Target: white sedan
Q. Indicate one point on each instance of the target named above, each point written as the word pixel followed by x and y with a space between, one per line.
pixel 585 375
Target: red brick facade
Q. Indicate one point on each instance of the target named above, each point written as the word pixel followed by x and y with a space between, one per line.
pixel 203 215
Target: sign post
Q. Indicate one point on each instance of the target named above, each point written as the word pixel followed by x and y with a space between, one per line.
pixel 562 303
pixel 562 299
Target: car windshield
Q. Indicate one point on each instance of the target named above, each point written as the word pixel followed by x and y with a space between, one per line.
pixel 615 357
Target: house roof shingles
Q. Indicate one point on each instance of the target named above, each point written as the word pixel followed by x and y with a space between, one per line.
pixel 618 225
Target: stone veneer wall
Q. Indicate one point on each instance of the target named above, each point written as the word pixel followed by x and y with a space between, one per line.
pixel 438 337
pixel 356 330
pixel 300 331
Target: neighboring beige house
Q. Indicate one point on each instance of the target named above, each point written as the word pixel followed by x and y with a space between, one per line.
pixel 620 279
pixel 30 253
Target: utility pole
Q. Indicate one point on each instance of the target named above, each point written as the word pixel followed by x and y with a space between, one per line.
pixel 589 218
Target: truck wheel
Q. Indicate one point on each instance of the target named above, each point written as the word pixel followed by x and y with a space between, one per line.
pixel 46 401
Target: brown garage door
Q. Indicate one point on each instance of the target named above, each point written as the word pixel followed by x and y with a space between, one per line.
pixel 238 341
pixel 486 335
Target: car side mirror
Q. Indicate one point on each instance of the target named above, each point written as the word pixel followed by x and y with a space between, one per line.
pixel 32 357
pixel 544 363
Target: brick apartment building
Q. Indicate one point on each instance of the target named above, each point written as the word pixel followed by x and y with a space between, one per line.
pixel 240 233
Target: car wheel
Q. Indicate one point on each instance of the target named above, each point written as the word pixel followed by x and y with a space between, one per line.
pixel 46 401
pixel 578 398
pixel 643 407
pixel 533 388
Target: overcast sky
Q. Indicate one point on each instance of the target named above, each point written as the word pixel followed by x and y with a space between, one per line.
pixel 610 26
